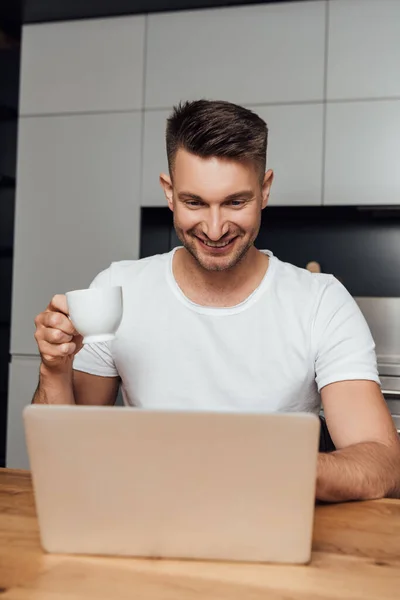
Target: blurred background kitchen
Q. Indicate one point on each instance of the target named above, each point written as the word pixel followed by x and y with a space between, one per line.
pixel 85 88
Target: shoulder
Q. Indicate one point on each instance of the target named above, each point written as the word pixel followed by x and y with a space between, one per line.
pixel 125 272
pixel 314 294
pixel 301 282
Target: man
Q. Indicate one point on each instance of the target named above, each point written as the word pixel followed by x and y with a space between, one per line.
pixel 218 324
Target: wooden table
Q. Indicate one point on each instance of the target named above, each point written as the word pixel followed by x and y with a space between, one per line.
pixel 356 555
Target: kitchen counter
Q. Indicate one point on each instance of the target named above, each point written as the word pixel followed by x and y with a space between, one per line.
pixel 356 555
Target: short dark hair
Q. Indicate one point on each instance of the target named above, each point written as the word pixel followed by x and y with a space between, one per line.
pixel 209 128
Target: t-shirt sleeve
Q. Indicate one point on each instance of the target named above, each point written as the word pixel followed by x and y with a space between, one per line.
pixel 342 342
pixel 97 359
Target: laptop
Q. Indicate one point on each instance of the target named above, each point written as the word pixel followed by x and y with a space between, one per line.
pixel 174 484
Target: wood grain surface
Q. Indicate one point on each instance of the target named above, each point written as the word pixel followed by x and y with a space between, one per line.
pixel 356 555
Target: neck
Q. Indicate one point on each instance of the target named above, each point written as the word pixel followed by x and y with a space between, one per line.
pixel 219 288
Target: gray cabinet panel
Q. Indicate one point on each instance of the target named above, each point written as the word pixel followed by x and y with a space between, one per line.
pixel 82 66
pixel 364 49
pixel 294 153
pixel 248 55
pixel 154 157
pixel 23 380
pixel 362 153
pixel 77 208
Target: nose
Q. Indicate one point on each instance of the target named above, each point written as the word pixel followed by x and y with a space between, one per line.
pixel 215 226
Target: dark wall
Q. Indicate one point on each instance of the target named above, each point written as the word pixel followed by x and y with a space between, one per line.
pixel 59 10
pixel 360 246
pixel 9 85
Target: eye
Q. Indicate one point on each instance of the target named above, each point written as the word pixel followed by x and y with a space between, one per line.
pixel 236 202
pixel 193 203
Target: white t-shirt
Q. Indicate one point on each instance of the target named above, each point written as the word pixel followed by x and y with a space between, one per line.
pixel 296 333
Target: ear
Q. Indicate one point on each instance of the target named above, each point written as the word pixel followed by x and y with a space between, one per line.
pixel 266 187
pixel 166 184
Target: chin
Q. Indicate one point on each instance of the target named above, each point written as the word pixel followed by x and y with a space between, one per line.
pixel 215 265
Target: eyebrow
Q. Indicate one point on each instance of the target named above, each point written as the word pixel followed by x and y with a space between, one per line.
pixel 244 195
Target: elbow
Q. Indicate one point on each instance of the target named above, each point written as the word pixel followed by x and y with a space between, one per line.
pixel 373 491
pixel 367 471
pixel 388 485
pixel 393 490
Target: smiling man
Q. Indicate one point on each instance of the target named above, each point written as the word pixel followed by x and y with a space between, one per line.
pixel 217 324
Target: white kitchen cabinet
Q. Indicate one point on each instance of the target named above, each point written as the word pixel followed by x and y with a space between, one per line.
pixel 294 153
pixel 364 49
pixel 82 66
pixel 77 208
pixel 362 153
pixel 248 55
pixel 154 157
pixel 23 380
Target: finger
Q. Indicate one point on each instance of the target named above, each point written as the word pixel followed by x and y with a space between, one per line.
pixel 55 351
pixel 57 320
pixel 55 336
pixel 58 303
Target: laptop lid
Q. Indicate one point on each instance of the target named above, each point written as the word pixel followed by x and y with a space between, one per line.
pixel 202 485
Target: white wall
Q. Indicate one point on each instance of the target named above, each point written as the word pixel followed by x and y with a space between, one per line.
pixel 94 97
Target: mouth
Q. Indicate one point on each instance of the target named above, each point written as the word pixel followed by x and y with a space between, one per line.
pixel 216 247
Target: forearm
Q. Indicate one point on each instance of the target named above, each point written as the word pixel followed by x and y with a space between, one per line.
pixel 54 388
pixel 363 471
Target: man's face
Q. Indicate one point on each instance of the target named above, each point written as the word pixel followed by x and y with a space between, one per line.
pixel 217 207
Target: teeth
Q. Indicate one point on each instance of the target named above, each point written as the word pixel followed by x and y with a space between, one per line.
pixel 215 245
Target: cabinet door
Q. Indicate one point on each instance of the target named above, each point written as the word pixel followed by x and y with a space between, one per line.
pixel 362 153
pixel 23 380
pixel 253 54
pixel 77 208
pixel 154 157
pixel 82 66
pixel 294 153
pixel 364 49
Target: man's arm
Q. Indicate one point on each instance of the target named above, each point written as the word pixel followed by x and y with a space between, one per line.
pixel 366 464
pixel 53 388
pixel 95 390
pixel 58 343
pixel 75 388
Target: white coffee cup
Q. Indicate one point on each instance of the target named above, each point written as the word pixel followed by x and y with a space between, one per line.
pixel 96 313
